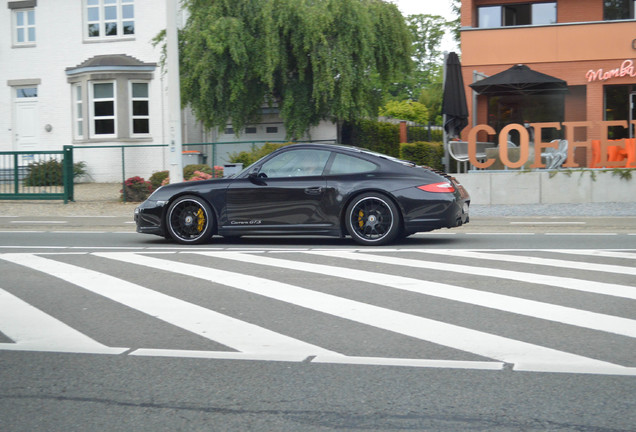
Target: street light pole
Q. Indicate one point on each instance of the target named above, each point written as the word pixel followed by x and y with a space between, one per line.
pixel 174 94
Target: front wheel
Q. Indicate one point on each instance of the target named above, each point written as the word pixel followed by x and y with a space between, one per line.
pixel 190 220
pixel 372 219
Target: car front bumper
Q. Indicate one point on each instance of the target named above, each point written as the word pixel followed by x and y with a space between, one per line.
pixel 148 217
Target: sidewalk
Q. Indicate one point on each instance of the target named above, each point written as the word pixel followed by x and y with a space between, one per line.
pixel 91 199
pixel 103 199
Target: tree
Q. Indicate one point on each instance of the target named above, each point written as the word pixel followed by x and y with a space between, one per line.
pixel 313 59
pixel 406 110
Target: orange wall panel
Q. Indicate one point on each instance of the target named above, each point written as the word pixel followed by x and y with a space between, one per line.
pixel 567 43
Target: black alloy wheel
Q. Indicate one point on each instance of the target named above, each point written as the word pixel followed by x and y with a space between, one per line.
pixel 190 220
pixel 372 219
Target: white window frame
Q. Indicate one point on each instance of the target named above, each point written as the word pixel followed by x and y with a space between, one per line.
pixel 102 22
pixel 25 27
pixel 132 116
pixel 91 104
pixel 77 98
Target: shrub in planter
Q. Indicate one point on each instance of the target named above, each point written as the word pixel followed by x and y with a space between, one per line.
pixel 137 189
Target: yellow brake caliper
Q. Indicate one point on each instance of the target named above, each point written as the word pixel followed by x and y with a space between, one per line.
pixel 361 219
pixel 200 220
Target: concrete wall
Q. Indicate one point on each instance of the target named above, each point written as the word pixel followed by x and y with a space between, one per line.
pixel 514 187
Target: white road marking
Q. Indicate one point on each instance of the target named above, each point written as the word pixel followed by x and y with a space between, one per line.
pixel 524 356
pixel 522 259
pixel 196 319
pixel 33 330
pixel 595 252
pixel 535 309
pixel 534 278
pixel 37 222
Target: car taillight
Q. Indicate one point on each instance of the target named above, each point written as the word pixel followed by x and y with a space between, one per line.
pixel 438 187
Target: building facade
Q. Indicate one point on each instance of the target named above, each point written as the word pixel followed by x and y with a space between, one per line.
pixel 590 44
pixel 86 73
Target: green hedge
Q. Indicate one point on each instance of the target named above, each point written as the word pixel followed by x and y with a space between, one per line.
pixel 248 158
pixel 373 135
pixel 424 153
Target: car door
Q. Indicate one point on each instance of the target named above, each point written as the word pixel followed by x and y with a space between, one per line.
pixel 285 194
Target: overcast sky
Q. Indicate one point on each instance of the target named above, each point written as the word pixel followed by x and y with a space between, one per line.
pixel 430 7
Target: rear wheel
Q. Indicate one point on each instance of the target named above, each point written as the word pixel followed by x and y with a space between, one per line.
pixel 190 220
pixel 372 219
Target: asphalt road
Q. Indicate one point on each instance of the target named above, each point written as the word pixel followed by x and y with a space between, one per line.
pixel 506 324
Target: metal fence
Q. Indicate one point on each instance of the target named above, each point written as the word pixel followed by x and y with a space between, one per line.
pixel 48 175
pixel 37 175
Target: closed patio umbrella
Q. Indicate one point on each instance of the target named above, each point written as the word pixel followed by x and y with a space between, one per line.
pixel 454 100
pixel 520 80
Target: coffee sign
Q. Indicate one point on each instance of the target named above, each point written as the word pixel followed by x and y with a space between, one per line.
pixel 539 146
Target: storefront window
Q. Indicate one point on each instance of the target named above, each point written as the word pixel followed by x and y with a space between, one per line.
pixel 522 109
pixel 617 108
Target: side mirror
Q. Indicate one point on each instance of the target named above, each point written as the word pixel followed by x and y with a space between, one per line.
pixel 257 178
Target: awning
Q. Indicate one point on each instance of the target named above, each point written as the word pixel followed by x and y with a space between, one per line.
pixel 520 80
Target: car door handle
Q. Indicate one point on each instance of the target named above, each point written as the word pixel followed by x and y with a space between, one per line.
pixel 316 190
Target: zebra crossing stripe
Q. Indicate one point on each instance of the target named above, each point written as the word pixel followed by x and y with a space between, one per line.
pixel 33 330
pixel 582 285
pixel 226 330
pixel 596 252
pixel 535 309
pixel 524 356
pixel 522 259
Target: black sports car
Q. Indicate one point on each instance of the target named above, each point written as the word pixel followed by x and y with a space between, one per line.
pixel 310 189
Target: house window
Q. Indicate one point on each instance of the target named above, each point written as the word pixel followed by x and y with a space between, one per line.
pixel 271 129
pixel 618 9
pixel 140 108
pixel 109 19
pixel 26 92
pixel 78 112
pixel 102 105
pixel 250 130
pixel 24 27
pixel 517 15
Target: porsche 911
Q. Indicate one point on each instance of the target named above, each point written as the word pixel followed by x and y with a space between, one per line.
pixel 310 189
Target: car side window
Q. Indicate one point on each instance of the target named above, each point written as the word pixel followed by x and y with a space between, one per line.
pixel 345 164
pixel 296 163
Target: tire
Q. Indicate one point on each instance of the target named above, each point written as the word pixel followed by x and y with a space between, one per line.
pixel 190 220
pixel 372 219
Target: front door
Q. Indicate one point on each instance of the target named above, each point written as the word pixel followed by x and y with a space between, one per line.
pixel 26 119
pixel 288 194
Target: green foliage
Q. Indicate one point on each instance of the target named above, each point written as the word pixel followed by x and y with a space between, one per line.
pixel 137 189
pixel 373 135
pixel 157 178
pixel 422 133
pixel 424 153
pixel 431 97
pixel 248 158
pixel 188 170
pixel 406 110
pixel 50 173
pixel 314 60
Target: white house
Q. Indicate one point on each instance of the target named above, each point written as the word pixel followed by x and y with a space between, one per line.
pixel 85 73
